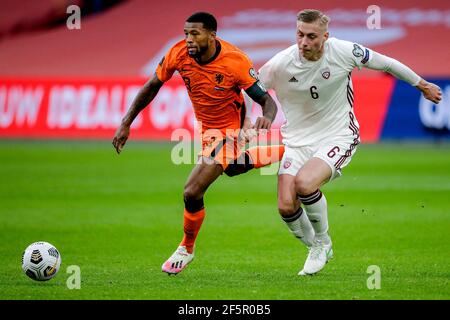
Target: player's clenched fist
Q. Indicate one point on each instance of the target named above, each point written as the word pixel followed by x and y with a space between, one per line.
pixel 121 137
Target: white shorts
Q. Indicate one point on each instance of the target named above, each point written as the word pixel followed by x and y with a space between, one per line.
pixel 336 153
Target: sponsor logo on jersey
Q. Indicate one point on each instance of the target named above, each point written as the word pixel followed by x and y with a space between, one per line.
pixel 357 51
pixel 293 79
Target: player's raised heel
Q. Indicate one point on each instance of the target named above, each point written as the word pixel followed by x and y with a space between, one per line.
pixel 178 261
pixel 318 256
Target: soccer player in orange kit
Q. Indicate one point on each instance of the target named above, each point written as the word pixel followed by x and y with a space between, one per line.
pixel 214 72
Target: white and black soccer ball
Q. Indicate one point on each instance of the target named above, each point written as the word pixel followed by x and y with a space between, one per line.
pixel 41 261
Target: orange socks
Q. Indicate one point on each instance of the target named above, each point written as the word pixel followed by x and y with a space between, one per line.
pixel 264 155
pixel 260 156
pixel 192 224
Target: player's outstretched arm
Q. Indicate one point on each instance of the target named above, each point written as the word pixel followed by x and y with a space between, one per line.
pixel 147 93
pixel 384 63
pixel 430 91
pixel 248 132
pixel 268 105
pixel 269 108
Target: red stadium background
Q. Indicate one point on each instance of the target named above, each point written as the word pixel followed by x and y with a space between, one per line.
pixel 61 83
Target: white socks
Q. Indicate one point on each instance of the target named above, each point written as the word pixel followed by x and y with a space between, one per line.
pixel 316 208
pixel 300 227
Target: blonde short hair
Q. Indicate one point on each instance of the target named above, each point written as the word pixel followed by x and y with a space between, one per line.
pixel 312 15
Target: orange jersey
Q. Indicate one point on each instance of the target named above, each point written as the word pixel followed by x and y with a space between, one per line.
pixel 215 87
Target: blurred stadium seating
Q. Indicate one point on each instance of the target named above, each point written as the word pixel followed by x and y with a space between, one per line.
pixel 56 82
pixel 31 15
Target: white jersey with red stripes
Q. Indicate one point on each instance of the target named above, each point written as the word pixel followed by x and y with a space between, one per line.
pixel 316 96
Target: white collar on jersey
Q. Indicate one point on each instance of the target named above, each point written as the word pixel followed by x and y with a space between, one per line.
pixel 306 62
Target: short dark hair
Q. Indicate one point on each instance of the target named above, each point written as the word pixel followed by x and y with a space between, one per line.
pixel 208 20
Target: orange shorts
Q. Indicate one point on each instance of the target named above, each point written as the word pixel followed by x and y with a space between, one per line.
pixel 223 149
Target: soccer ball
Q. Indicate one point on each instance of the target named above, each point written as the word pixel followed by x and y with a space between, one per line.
pixel 41 261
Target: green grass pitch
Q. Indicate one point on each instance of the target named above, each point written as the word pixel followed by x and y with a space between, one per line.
pixel 119 217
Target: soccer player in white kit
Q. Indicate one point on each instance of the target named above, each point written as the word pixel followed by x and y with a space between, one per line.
pixel 312 81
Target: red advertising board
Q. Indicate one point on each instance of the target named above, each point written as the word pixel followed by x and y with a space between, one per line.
pixel 93 108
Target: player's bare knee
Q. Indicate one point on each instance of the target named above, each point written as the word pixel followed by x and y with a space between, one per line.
pixel 286 209
pixel 192 192
pixel 304 185
pixel 193 198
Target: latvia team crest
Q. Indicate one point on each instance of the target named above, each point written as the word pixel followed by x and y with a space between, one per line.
pixel 325 73
pixel 287 163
